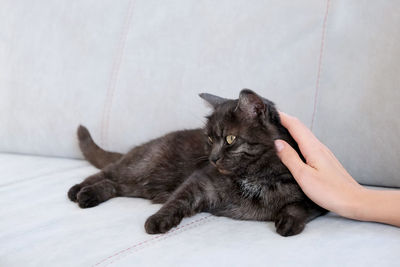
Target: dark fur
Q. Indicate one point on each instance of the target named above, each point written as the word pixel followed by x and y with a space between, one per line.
pixel 244 180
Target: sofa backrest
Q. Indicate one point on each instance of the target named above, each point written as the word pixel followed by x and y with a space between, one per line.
pixel 131 70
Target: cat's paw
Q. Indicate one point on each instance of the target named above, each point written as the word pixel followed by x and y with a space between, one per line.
pixel 161 223
pixel 73 192
pixel 88 197
pixel 287 225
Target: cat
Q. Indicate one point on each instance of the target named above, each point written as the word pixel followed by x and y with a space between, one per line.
pixel 228 168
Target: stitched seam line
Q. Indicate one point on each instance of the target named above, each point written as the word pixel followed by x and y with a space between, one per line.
pixel 159 240
pixel 114 76
pixel 23 180
pixel 153 240
pixel 317 84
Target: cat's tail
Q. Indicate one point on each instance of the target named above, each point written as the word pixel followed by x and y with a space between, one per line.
pixel 97 156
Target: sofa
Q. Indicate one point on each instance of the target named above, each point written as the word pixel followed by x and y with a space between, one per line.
pixel 131 70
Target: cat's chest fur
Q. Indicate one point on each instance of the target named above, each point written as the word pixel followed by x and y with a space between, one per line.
pixel 251 188
pixel 266 190
pixel 258 198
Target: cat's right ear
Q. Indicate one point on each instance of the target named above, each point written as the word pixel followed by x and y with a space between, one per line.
pixel 213 100
pixel 251 104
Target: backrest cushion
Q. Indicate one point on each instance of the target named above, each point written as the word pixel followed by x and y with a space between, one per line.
pixel 131 71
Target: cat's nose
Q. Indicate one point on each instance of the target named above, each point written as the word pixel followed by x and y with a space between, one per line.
pixel 214 159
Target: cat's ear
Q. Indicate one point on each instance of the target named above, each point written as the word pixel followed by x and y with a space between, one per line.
pixel 213 100
pixel 251 104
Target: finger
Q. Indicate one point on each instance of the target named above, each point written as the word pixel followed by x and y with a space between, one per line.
pixel 306 140
pixel 291 160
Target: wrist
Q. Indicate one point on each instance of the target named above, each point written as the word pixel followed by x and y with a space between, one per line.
pixel 356 205
pixel 361 210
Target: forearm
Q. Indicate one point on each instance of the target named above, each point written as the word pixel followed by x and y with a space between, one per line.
pixel 379 206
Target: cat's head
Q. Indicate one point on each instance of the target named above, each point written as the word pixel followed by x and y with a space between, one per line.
pixel 240 131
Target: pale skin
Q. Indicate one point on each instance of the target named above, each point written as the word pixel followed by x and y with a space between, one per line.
pixel 325 181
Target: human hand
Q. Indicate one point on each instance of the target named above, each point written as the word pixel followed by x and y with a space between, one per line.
pixel 325 181
pixel 322 178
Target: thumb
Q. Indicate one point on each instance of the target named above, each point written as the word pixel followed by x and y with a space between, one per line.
pixel 290 159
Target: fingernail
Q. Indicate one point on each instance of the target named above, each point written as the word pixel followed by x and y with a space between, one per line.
pixel 279 145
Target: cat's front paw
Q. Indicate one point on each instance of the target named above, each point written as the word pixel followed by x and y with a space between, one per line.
pixel 287 225
pixel 88 197
pixel 73 192
pixel 161 223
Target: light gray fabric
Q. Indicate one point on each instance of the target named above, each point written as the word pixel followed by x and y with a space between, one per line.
pixel 131 70
pixel 55 63
pixel 358 101
pixel 41 227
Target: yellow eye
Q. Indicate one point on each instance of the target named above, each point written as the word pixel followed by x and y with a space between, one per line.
pixel 230 139
pixel 210 139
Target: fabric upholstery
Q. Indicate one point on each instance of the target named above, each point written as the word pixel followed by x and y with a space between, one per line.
pixel 41 227
pixel 358 98
pixel 131 70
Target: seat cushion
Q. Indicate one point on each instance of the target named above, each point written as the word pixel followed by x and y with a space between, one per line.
pixel 41 227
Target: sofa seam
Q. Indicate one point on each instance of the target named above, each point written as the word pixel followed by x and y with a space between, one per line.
pixel 148 242
pixel 321 52
pixel 112 83
pixel 23 180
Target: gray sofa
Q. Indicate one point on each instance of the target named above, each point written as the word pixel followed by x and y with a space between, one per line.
pixel 131 70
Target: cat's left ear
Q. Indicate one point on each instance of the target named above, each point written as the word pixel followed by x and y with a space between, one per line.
pixel 213 100
pixel 251 104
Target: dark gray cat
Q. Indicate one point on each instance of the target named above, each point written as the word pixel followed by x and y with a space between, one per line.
pixel 229 168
